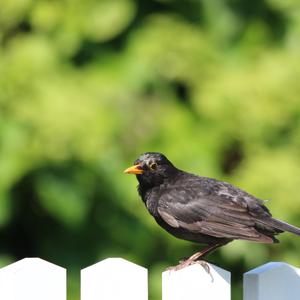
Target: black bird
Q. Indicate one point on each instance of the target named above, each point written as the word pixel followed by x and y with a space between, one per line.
pixel 202 209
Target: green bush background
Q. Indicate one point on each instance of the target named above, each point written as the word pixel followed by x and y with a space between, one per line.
pixel 86 86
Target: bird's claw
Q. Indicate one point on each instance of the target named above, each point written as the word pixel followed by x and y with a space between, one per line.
pixel 205 265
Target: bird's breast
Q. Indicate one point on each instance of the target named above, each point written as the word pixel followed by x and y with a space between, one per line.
pixel 150 199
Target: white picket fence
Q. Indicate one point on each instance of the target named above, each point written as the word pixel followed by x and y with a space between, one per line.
pixel 118 279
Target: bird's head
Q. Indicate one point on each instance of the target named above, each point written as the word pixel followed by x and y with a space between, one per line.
pixel 151 169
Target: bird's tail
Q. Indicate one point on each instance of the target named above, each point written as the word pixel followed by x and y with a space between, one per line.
pixel 282 226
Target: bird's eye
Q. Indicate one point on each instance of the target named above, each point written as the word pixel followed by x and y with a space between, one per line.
pixel 153 166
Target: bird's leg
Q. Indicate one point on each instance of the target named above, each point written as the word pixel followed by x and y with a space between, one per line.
pixel 205 252
pixel 195 258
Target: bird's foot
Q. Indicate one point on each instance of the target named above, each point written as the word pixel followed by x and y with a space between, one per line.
pixel 204 264
pixel 188 262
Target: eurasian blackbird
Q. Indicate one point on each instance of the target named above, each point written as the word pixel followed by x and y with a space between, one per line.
pixel 202 209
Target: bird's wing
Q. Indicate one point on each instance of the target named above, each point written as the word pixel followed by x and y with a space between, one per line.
pixel 213 208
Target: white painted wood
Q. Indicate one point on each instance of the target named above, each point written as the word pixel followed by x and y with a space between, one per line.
pixel 274 280
pixel 194 283
pixel 114 279
pixel 32 279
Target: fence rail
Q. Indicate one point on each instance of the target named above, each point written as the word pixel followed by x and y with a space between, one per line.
pixel 116 278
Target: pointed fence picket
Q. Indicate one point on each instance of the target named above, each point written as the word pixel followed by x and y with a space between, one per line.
pixel 195 282
pixel 32 279
pixel 274 280
pixel 116 278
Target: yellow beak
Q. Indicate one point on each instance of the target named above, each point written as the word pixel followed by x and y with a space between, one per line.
pixel 136 169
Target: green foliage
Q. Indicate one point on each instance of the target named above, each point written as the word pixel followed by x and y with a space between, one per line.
pixel 86 86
